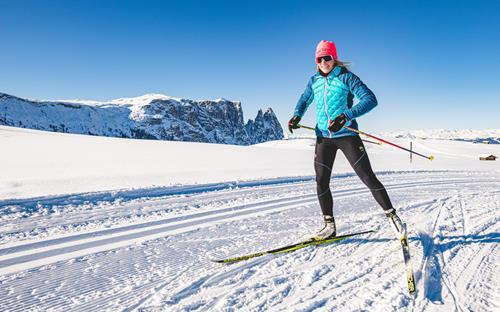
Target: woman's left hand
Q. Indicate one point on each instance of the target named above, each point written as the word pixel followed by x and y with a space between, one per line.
pixel 338 123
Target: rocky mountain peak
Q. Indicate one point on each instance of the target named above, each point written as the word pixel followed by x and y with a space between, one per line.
pixel 151 116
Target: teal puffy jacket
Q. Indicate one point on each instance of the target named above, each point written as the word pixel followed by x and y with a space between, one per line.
pixel 334 95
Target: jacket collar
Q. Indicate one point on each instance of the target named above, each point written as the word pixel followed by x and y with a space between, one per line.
pixel 334 73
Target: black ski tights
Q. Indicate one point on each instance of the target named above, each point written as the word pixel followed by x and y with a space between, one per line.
pixel 354 151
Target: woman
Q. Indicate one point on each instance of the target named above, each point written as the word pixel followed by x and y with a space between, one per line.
pixel 333 89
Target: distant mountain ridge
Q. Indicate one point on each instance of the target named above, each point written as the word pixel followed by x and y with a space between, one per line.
pixel 151 116
pixel 491 136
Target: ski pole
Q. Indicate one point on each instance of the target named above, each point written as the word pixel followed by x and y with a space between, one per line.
pixel 306 127
pixel 367 141
pixel 431 157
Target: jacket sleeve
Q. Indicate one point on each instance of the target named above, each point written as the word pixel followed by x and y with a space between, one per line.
pixel 305 100
pixel 367 100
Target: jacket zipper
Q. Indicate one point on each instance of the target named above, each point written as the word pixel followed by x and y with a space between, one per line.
pixel 326 108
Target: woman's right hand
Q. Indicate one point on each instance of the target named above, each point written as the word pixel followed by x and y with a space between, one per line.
pixel 293 123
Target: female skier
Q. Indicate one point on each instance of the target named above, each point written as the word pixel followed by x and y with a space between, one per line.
pixel 332 88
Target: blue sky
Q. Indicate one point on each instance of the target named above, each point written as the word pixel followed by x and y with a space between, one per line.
pixel 431 64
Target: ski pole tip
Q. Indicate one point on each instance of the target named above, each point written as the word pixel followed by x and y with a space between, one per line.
pixel 431 157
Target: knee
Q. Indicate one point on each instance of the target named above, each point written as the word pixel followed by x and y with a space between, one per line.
pixel 322 183
pixel 371 181
pixel 322 178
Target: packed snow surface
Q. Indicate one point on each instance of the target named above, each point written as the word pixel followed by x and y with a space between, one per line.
pixel 105 224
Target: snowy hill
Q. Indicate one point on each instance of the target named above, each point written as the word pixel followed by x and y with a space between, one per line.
pixel 152 116
pixel 93 223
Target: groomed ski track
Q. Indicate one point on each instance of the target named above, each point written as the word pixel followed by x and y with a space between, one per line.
pixel 150 251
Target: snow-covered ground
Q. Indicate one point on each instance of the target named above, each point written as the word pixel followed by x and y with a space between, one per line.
pixel 92 223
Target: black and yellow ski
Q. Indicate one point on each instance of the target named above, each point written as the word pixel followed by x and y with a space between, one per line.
pixel 410 278
pixel 290 248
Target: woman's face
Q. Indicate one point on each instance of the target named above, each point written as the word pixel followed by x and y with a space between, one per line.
pixel 326 63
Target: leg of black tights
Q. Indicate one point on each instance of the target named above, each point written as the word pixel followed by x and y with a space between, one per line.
pixel 323 162
pixel 355 152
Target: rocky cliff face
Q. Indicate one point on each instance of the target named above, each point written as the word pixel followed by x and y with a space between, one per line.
pixel 152 116
pixel 264 128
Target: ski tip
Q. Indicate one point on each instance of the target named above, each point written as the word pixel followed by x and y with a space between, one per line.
pixel 216 260
pixel 229 260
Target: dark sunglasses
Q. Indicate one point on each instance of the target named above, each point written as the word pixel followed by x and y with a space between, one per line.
pixel 326 58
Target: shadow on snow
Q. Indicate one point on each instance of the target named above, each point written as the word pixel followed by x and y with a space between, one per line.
pixel 433 247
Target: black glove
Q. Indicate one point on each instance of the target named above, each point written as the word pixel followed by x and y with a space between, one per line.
pixel 337 123
pixel 293 123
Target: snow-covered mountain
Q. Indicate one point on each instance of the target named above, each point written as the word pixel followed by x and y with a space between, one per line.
pixel 152 116
pixel 491 136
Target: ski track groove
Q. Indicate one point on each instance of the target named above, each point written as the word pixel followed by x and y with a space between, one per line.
pixel 465 227
pixel 156 222
pixel 444 274
pixel 280 203
pixel 153 288
pixel 159 203
pixel 156 205
pixel 159 206
pixel 425 267
pixel 183 222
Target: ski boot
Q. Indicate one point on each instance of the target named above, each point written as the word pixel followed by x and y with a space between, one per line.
pixel 397 225
pixel 328 231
